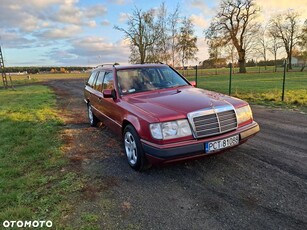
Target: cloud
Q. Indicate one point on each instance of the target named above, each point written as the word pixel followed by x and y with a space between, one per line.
pixel 28 16
pixel 199 20
pixel 60 33
pixel 202 45
pixel 92 23
pixel 72 14
pixel 120 2
pixel 13 39
pixel 269 8
pixel 89 51
pixel 98 48
pixel 105 23
pixel 37 4
pixel 202 6
pixel 123 17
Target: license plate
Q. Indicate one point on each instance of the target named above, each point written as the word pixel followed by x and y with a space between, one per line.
pixel 221 144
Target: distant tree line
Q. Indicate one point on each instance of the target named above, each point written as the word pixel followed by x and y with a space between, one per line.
pixel 222 63
pixel 35 69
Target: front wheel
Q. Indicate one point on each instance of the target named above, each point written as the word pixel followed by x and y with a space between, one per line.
pixel 133 149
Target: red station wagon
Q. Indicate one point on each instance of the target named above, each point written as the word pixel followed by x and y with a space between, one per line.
pixel 162 117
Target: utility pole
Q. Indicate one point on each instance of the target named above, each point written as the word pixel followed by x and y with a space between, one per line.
pixel 4 78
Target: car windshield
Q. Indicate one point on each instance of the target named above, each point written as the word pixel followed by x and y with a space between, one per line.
pixel 148 78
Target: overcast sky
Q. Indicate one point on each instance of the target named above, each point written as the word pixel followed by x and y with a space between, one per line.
pixel 80 32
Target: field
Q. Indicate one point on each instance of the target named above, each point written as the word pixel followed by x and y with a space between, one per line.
pixel 34 184
pixel 32 78
pixel 258 86
pixel 55 167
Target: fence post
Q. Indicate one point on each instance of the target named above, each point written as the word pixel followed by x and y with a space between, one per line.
pixel 196 74
pixel 284 80
pixel 230 76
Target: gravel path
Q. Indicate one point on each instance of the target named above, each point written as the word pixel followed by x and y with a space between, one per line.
pixel 262 184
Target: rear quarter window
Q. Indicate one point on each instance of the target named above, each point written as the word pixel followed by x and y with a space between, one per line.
pixel 91 79
pixel 99 81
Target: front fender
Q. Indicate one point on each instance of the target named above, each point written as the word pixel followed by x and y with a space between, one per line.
pixel 141 126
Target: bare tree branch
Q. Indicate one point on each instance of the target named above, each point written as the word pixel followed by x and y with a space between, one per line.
pixel 232 23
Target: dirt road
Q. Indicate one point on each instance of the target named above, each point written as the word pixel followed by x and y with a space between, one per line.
pixel 259 185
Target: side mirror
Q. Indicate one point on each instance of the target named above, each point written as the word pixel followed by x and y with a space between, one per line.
pixel 193 83
pixel 109 93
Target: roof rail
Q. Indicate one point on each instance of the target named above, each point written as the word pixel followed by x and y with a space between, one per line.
pixel 158 62
pixel 106 64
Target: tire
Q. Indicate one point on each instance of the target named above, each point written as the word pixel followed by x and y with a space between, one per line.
pixel 133 149
pixel 93 120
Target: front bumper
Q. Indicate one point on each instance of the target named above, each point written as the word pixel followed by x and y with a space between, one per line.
pixel 195 148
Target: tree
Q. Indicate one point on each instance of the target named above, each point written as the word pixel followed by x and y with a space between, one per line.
pixel 231 55
pixel 263 44
pixel 274 46
pixel 187 42
pixel 232 23
pixel 215 52
pixel 303 37
pixel 303 44
pixel 285 27
pixel 141 32
pixel 173 20
pixel 160 50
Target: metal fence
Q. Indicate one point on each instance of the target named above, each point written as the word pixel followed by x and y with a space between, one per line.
pixel 261 82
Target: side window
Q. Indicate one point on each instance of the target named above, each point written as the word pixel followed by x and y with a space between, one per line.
pixel 98 85
pixel 91 79
pixel 108 82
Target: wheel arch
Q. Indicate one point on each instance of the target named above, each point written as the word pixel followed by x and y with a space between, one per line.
pixel 134 122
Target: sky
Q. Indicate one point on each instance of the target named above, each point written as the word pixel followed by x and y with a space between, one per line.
pixel 81 32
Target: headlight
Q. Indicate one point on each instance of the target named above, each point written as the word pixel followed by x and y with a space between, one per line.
pixel 170 129
pixel 244 114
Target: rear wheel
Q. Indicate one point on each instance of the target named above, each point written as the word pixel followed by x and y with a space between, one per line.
pixel 92 118
pixel 133 149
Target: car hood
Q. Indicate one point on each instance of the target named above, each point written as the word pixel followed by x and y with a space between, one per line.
pixel 177 103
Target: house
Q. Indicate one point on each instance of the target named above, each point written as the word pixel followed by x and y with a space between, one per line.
pixel 298 61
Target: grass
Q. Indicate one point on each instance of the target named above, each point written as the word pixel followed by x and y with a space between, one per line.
pixel 263 88
pixel 259 85
pixel 34 184
pixel 23 79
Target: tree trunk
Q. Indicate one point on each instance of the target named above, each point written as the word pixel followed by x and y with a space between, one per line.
pixel 242 68
pixel 275 64
pixel 290 62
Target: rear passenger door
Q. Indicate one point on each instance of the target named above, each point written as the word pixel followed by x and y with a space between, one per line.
pixel 97 94
pixel 108 106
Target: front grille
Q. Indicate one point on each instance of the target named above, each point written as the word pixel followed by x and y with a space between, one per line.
pixel 215 123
